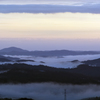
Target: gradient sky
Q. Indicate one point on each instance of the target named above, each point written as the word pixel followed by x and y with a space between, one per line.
pixel 65 2
pixel 67 24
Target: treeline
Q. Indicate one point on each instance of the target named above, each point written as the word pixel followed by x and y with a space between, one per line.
pixel 94 98
pixel 23 73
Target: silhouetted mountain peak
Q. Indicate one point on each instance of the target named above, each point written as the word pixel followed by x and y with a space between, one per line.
pixel 10 49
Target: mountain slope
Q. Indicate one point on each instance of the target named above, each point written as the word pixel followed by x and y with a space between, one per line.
pixel 22 73
pixel 95 62
pixel 18 51
pixel 11 49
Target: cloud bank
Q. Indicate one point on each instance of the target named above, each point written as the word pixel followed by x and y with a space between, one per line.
pixel 57 62
pixel 49 8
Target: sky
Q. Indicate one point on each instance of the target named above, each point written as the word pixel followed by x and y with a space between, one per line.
pixel 50 24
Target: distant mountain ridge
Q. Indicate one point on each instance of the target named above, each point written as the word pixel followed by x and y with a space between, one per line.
pixel 10 49
pixel 19 51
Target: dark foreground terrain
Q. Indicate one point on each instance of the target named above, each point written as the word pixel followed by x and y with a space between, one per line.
pixel 95 98
pixel 15 99
pixel 23 73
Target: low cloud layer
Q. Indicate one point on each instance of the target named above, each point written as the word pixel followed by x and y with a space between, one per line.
pixel 48 91
pixel 62 62
pixel 92 8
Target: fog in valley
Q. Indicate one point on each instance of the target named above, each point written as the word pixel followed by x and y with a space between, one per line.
pixel 58 62
pixel 48 91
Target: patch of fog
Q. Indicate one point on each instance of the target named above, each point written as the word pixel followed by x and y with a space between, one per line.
pixel 58 62
pixel 6 63
pixel 48 91
pixel 51 64
pixel 4 71
pixel 55 64
pixel 17 56
pixel 64 58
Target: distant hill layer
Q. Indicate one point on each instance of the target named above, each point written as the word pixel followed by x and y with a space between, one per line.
pixel 18 51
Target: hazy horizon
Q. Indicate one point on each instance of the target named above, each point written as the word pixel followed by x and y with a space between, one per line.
pixel 51 44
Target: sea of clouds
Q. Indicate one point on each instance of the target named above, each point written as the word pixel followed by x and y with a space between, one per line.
pixel 57 62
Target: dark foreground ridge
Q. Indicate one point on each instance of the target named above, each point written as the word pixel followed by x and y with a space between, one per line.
pixel 23 73
pixel 94 98
pixel 16 99
pixel 95 62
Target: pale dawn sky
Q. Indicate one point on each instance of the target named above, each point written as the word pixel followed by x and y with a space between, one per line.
pixel 50 20
pixel 58 25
